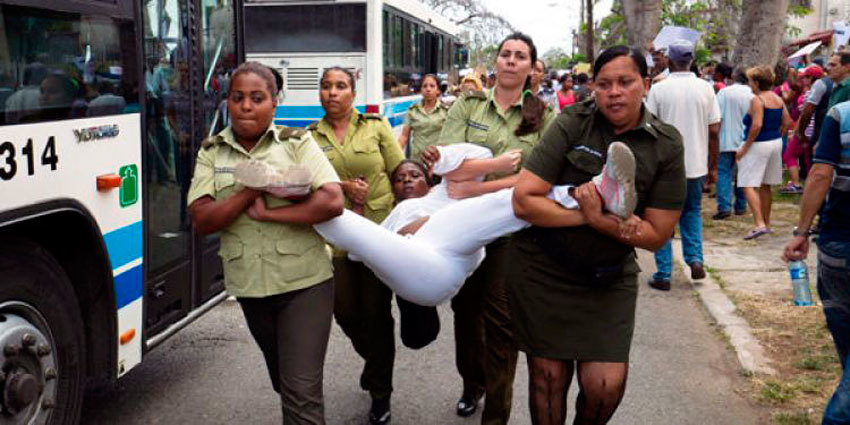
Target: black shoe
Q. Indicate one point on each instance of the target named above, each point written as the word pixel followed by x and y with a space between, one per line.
pixel 466 406
pixel 697 271
pixel 659 284
pixel 721 215
pixel 379 414
pixel 742 212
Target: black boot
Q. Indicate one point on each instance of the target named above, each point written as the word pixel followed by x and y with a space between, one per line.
pixel 379 414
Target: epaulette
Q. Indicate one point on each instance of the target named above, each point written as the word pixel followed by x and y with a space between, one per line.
pixel 478 94
pixel 290 133
pixel 209 142
pixel 313 126
pixel 372 116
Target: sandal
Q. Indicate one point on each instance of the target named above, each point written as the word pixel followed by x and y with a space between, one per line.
pixel 759 231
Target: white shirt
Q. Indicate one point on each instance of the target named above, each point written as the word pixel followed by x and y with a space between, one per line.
pixel 689 104
pixel 734 104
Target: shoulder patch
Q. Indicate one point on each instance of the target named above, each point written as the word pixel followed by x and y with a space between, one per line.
pixel 666 129
pixel 474 94
pixel 291 133
pixel 313 126
pixel 209 142
pixel 372 116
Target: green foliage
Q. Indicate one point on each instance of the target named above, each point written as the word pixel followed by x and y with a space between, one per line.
pixel 795 418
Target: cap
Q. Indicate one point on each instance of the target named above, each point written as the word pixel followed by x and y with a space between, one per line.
pixel 680 50
pixel 813 71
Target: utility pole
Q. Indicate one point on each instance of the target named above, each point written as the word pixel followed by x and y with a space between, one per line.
pixel 589 36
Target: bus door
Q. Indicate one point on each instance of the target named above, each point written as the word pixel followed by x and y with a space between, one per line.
pixel 189 54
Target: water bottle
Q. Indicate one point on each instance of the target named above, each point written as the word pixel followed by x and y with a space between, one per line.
pixel 800 282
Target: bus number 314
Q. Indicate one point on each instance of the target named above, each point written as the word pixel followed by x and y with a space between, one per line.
pixel 9 159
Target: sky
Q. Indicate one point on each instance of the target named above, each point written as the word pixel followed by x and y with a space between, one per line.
pixel 549 22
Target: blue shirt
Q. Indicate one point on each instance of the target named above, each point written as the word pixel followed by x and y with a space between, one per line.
pixel 834 149
pixel 734 103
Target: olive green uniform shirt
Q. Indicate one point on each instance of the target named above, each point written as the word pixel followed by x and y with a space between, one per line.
pixel 840 92
pixel 573 150
pixel 370 150
pixel 476 118
pixel 265 258
pixel 425 127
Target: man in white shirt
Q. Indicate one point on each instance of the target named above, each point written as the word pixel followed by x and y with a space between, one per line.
pixel 734 103
pixel 689 104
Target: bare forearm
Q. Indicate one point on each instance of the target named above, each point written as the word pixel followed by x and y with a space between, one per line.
pixel 210 216
pixel 817 186
pixel 803 122
pixel 321 206
pixel 544 212
pixel 647 236
pixel 713 150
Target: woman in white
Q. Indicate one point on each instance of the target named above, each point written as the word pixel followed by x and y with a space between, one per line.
pixel 429 266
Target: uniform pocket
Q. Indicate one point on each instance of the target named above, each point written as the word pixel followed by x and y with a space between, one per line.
pixel 298 259
pixel 366 146
pixel 585 161
pixel 224 183
pixel 235 270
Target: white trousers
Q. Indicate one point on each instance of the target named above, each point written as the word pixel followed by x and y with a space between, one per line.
pixel 429 267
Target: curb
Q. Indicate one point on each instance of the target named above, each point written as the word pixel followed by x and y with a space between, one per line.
pixel 749 351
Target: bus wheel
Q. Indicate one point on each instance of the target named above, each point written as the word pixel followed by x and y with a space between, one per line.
pixel 42 351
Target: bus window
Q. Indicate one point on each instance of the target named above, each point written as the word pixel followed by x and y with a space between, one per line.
pixel 306 28
pixel 65 65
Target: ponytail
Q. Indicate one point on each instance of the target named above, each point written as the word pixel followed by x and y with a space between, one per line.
pixel 533 110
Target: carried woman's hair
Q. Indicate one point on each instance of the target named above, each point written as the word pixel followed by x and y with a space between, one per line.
pixel 533 108
pixel 633 53
pixel 274 85
pixel 345 71
pixel 417 164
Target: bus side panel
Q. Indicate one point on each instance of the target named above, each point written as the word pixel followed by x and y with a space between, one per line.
pixel 63 159
pixel 300 106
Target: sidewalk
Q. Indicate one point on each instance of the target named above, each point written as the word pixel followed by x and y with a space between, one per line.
pixel 786 350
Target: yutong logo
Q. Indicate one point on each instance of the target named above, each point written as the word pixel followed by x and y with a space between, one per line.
pixel 96 133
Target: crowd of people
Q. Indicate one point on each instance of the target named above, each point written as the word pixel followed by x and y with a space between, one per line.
pixel 541 193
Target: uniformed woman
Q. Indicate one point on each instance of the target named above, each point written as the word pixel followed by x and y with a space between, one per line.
pixel 364 152
pixel 424 119
pixel 507 117
pixel 275 264
pixel 573 289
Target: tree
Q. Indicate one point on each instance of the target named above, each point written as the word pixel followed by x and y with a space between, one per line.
pixel 483 29
pixel 589 40
pixel 643 20
pixel 556 58
pixel 759 41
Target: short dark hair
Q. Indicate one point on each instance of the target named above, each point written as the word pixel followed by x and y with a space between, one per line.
pixel 582 78
pixel 345 71
pixel 418 165
pixel 260 70
pixel 724 69
pixel 634 53
pixel 845 58
pixel 740 75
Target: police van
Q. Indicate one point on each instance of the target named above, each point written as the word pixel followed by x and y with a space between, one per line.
pixel 103 104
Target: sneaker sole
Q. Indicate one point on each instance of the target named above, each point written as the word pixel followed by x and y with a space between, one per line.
pixel 253 174
pixel 623 162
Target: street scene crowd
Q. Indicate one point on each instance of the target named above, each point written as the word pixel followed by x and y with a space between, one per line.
pixel 518 197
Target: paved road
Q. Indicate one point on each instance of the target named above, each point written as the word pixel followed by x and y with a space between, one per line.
pixel 212 373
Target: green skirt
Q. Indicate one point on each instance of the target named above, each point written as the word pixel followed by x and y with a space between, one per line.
pixel 556 314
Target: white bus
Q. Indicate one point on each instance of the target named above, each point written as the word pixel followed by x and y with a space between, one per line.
pixel 103 104
pixel 387 44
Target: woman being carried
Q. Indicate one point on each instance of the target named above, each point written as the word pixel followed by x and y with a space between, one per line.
pixel 445 238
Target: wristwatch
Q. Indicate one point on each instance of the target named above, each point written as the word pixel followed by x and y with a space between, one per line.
pixel 798 232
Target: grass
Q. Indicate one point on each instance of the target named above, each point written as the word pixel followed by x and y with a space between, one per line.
pixel 792 418
pixel 777 392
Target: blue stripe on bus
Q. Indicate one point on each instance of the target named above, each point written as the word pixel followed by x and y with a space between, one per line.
pixel 124 244
pixel 396 121
pixel 294 122
pixel 303 112
pixel 128 286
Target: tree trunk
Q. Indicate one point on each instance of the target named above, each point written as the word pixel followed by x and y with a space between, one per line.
pixel 760 33
pixel 643 20
pixel 589 39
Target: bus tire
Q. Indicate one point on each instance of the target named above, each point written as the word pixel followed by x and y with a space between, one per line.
pixel 42 345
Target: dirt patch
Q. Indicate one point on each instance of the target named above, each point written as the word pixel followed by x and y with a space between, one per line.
pixel 796 339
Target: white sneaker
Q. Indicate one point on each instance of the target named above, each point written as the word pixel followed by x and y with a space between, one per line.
pixel 616 183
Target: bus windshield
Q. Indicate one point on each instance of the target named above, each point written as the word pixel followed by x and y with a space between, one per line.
pixel 306 28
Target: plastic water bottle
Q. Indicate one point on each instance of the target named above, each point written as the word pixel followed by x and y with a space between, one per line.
pixel 800 282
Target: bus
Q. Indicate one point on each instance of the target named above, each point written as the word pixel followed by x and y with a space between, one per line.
pixel 387 44
pixel 103 106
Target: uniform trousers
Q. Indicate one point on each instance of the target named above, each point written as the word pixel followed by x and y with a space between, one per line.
pixel 363 309
pixel 500 349
pixel 469 337
pixel 292 330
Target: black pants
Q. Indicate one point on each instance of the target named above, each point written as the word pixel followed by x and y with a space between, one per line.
pixel 292 330
pixel 363 309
